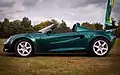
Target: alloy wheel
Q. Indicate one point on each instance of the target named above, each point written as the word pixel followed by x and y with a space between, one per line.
pixel 24 48
pixel 100 47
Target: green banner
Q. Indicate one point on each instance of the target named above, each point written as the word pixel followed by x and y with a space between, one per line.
pixel 110 5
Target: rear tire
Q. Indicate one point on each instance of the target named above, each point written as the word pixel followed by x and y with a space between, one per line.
pixel 23 48
pixel 99 47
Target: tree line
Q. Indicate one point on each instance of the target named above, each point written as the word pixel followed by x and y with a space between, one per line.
pixel 9 28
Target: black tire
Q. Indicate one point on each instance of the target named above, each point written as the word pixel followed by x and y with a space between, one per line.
pixel 95 52
pixel 18 53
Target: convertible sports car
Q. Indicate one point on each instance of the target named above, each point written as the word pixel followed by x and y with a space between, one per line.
pixel 97 43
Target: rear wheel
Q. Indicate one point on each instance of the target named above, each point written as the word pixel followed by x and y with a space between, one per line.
pixel 23 48
pixel 99 47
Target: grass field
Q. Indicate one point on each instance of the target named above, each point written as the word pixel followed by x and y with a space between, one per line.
pixel 61 65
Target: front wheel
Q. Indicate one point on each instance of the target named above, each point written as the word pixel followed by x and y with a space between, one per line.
pixel 23 48
pixel 100 47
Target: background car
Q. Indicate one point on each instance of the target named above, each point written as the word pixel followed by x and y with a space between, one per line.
pixel 95 43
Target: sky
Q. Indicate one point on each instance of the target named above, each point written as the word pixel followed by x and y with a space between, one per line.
pixel 71 11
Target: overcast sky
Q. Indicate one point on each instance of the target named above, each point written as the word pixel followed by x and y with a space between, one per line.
pixel 71 11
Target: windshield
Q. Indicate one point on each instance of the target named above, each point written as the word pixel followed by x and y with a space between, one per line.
pixel 46 29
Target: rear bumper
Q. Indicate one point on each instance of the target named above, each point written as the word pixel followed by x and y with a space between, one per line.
pixel 113 41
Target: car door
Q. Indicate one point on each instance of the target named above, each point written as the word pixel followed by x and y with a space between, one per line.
pixel 82 43
pixel 61 41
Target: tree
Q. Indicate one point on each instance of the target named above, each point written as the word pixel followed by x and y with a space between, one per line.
pixel 6 22
pixel 5 25
pixel 12 28
pixel 1 29
pixel 62 28
pixel 98 26
pixel 53 21
pixel 26 22
pixel 16 27
pixel 88 25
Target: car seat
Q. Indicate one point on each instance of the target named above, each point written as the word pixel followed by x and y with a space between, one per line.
pixel 76 27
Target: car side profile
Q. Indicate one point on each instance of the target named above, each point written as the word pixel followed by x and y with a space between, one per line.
pixel 97 43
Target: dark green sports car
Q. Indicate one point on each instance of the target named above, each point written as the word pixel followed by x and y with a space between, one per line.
pixel 96 43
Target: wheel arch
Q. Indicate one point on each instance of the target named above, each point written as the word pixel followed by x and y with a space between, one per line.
pixel 22 38
pixel 99 37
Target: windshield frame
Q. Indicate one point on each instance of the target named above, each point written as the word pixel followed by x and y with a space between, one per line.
pixel 46 29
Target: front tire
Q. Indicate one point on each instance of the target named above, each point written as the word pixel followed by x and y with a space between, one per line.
pixel 100 47
pixel 23 48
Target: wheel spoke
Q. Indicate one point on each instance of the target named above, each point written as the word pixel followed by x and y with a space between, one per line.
pixel 26 44
pixel 98 50
pixel 28 48
pixel 99 43
pixel 27 51
pixel 20 49
pixel 101 51
pixel 23 52
pixel 103 44
pixel 96 46
pixel 21 45
pixel 104 49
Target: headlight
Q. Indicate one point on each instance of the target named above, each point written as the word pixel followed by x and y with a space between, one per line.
pixel 6 41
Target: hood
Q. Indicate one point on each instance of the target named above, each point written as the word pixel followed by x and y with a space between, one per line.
pixel 26 35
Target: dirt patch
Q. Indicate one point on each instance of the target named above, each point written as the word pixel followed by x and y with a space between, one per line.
pixel 61 65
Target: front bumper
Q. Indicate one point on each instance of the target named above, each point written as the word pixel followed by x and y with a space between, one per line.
pixel 7 48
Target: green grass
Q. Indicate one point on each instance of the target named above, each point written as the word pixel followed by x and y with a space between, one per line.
pixel 65 65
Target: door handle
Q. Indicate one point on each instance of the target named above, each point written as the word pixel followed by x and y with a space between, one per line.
pixel 81 36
